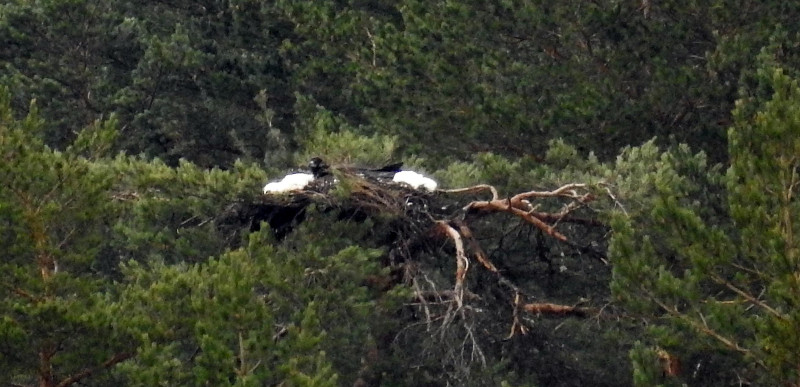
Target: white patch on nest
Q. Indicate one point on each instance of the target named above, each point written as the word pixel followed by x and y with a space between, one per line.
pixel 415 180
pixel 291 182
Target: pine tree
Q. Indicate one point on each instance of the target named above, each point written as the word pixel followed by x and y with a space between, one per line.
pixel 54 211
pixel 716 277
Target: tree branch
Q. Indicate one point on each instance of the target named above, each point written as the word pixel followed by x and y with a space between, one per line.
pixel 505 205
pixel 702 328
pixel 547 308
pixel 475 188
pixel 462 264
pixel 23 293
pixel 117 358
pixel 748 297
pixel 480 255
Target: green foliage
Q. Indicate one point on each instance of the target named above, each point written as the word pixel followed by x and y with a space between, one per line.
pixel 181 81
pixel 725 286
pixel 330 136
pixel 217 323
pixel 70 217
pixel 54 212
pixel 521 95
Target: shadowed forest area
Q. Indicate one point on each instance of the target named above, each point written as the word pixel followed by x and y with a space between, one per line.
pixel 615 202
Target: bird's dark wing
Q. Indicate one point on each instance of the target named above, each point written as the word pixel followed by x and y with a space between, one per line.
pixel 389 168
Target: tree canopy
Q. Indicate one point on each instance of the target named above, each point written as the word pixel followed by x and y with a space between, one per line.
pixel 615 204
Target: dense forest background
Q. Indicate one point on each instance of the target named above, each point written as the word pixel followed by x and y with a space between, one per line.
pixel 642 230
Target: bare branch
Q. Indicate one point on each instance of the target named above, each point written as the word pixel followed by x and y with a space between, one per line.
pixel 556 309
pixel 565 190
pixel 614 198
pixel 462 264
pixel 516 325
pixel 504 205
pixel 426 297
pixel 480 255
pixel 475 188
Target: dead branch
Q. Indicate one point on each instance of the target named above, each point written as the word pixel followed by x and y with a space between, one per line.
pixel 556 310
pixel 614 198
pixel 462 264
pixel 480 255
pixel 516 325
pixel 520 206
pixel 568 190
pixel 504 205
pixel 475 188
pixel 443 296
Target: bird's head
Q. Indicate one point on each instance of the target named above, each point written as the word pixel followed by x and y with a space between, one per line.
pixel 318 167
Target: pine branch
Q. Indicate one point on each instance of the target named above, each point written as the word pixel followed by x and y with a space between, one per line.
pixel 22 293
pixel 730 344
pixel 117 358
pixel 748 297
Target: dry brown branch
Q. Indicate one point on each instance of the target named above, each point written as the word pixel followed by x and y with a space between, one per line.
pixel 424 301
pixel 462 264
pixel 503 205
pixel 480 255
pixel 568 190
pixel 521 207
pixel 475 188
pixel 516 325
pixel 125 196
pixel 556 310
